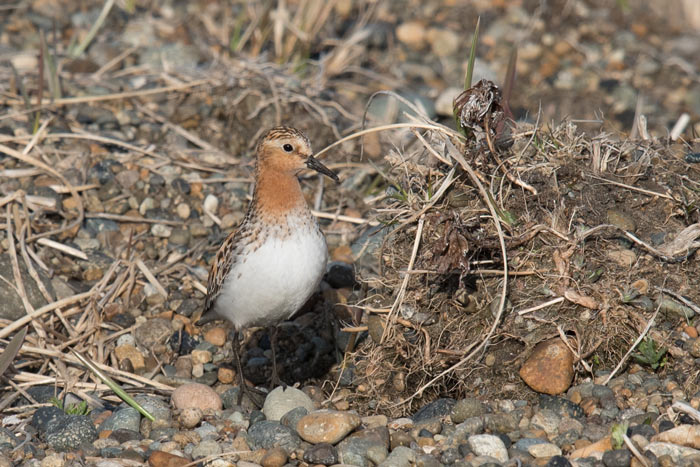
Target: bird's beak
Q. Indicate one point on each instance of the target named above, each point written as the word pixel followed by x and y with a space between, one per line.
pixel 314 164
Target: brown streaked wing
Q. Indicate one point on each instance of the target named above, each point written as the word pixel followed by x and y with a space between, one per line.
pixel 220 269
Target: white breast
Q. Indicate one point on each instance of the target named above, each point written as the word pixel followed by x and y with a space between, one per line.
pixel 270 284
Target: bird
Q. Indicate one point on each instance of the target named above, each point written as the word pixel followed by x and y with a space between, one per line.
pixel 268 267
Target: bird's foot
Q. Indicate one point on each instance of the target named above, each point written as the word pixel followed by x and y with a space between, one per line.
pixel 275 381
pixel 254 395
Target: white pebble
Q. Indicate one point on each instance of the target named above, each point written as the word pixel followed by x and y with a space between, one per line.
pixel 183 210
pixel 211 204
pixel 160 230
pixel 146 204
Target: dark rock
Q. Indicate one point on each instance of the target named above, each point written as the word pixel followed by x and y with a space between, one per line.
pixel 181 185
pixel 562 406
pixel 617 458
pixel 132 455
pixel 292 417
pixel 229 398
pixel 126 418
pixel 558 461
pixel 124 320
pixel 45 417
pixel 156 180
pixel 104 171
pixel 450 456
pixel 438 408
pixel 322 453
pixel 122 435
pixel 41 394
pixel 162 434
pixel 340 274
pixel 644 430
pixel 466 408
pixel 187 307
pixel 362 450
pixel 501 422
pixel 256 416
pixel 99 115
pixel 96 226
pixel 665 425
pixel 68 433
pixel 268 434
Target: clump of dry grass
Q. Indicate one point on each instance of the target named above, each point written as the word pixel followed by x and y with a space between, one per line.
pixel 481 238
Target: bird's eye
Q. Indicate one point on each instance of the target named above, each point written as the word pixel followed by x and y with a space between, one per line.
pixel 288 147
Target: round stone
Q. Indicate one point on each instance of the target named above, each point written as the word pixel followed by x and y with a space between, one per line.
pixel 327 426
pixel 550 368
pixel 190 417
pixel 282 400
pixel 196 395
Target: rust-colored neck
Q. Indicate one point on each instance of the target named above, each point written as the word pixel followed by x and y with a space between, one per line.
pixel 277 192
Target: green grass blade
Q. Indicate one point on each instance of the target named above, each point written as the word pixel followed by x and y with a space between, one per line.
pixel 112 385
pixel 472 56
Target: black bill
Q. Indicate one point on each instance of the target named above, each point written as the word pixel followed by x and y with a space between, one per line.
pixel 314 164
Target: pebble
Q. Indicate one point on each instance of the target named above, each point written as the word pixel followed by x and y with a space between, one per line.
pixel 161 230
pixel 321 453
pixel 131 353
pixel 183 210
pixel 211 204
pixel 282 400
pixel 216 336
pixel 275 457
pixel 443 42
pixel 267 434
pixel 617 458
pixel 362 450
pixel 444 104
pixel 151 332
pixel 68 433
pixel 190 417
pixel 196 395
pixel 488 445
pixel 326 426
pixel 413 34
pixel 550 367
pixel 544 450
pixel 206 448
pixel 126 418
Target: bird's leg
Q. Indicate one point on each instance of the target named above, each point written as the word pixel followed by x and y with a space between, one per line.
pixel 275 378
pixel 243 388
pixel 236 346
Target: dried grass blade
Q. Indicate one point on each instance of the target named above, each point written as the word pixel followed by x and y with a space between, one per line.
pixel 7 330
pixel 37 163
pixel 61 247
pixel 10 352
pixel 151 278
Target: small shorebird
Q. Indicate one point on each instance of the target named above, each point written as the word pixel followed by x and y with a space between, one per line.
pixel 268 268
